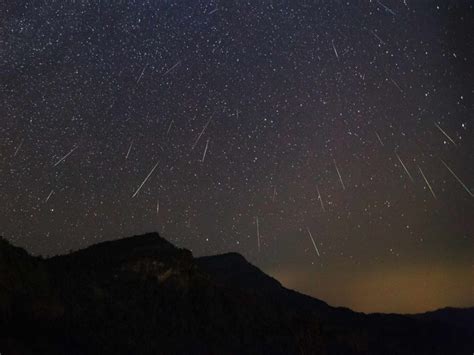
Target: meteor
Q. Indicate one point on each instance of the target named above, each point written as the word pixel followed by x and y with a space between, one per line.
pixel 339 174
pixel 314 244
pixel 442 131
pixel 427 183
pixel 320 199
pixel 404 167
pixel 458 179
pixel 64 157
pixel 144 181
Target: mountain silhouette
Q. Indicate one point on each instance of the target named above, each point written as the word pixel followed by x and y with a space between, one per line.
pixel 142 295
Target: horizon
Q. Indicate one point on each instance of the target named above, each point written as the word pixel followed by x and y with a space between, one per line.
pixel 408 308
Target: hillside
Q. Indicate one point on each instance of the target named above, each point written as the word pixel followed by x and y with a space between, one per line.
pixel 142 295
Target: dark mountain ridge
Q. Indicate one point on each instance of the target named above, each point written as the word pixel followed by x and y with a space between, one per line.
pixel 142 295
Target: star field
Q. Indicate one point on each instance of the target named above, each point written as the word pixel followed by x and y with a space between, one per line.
pixel 343 123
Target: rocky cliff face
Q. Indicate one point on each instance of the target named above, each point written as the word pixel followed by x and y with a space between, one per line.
pixel 141 295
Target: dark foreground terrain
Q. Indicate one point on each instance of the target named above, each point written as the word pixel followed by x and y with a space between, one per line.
pixel 142 295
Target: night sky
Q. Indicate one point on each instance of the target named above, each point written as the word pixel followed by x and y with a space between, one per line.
pixel 250 127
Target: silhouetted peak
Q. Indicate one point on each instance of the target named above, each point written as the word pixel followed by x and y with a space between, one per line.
pixel 234 270
pixel 137 241
pixel 458 317
pixel 6 244
pixel 143 295
pixel 146 247
pixel 8 250
pixel 229 258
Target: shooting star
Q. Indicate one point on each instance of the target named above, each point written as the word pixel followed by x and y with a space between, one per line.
pixel 427 183
pixel 320 199
pixel 378 137
pixel 205 151
pixel 200 134
pixel 458 179
pixel 64 157
pixel 314 244
pixel 447 136
pixel 376 36
pixel 258 236
pixel 214 10
pixel 404 167
pixel 335 51
pixel 396 84
pixel 387 8
pixel 157 207
pixel 18 148
pixel 274 193
pixel 170 69
pixel 141 74
pixel 49 196
pixel 169 127
pixel 339 174
pixel 129 149
pixel 144 181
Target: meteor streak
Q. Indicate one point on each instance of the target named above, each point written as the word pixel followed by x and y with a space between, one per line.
pixel 144 181
pixel 458 179
pixel 314 244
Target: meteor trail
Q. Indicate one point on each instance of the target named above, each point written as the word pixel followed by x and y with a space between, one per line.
pixel 169 127
pixel 339 174
pixel 396 84
pixel 335 51
pixel 447 136
pixel 49 196
pixel 210 13
pixel 376 36
pixel 314 244
pixel 205 151
pixel 144 181
pixel 18 149
pixel 170 69
pixel 320 199
pixel 458 179
pixel 387 8
pixel 427 183
pixel 200 134
pixel 129 149
pixel 378 137
pixel 64 157
pixel 404 167
pixel 141 74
